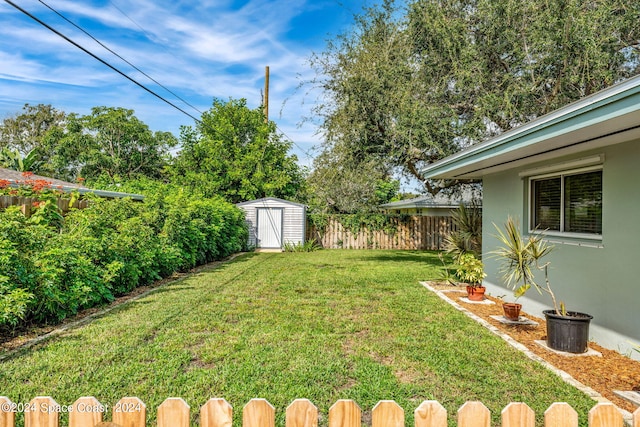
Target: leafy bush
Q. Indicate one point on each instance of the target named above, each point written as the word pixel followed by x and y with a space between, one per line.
pixel 52 266
pixel 308 246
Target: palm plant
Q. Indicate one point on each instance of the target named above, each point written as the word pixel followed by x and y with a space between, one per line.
pixel 519 259
pixel 467 236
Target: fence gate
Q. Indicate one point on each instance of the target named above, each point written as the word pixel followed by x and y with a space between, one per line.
pixel 269 225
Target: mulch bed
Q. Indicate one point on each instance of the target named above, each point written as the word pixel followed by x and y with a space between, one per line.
pixel 612 371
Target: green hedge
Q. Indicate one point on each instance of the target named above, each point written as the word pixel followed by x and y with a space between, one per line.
pixel 51 269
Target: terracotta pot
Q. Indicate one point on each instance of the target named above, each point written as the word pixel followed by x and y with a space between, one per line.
pixel 475 293
pixel 511 311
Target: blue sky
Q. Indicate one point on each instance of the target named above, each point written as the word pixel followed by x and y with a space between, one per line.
pixel 200 50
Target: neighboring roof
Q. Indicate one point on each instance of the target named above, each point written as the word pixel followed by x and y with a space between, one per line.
pixel 264 201
pixel 608 117
pixel 430 202
pixel 14 177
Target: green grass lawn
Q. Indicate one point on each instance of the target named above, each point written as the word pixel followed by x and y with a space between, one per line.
pixel 324 325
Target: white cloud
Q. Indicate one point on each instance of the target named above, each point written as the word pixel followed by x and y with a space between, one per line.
pixel 199 50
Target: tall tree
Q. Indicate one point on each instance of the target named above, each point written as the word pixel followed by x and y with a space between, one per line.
pixel 24 131
pixel 23 138
pixel 413 83
pixel 233 151
pixel 339 183
pixel 111 144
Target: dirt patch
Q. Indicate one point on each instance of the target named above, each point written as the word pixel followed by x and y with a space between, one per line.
pixel 612 371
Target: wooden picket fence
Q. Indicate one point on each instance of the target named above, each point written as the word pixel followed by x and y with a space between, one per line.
pixel 409 233
pixel 174 412
pixel 26 203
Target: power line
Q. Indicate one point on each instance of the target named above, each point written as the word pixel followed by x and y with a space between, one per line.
pixel 88 52
pixel 118 55
pixel 306 152
pixel 148 34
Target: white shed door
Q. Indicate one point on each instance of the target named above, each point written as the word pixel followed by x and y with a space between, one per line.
pixel 269 227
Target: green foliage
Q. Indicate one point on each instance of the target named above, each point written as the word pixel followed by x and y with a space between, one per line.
pixel 51 267
pixel 415 81
pixel 308 246
pixel 356 222
pixel 13 159
pixel 519 258
pixel 470 269
pixel 110 143
pixel 236 154
pixel 24 138
pixel 467 235
pixel 341 184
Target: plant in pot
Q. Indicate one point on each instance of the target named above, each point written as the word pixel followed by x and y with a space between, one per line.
pixel 470 270
pixel 566 330
pixel 511 310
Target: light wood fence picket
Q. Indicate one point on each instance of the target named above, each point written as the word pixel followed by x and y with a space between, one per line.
pixel 174 412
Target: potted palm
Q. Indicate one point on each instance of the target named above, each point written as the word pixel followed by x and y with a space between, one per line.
pixel 470 270
pixel 566 330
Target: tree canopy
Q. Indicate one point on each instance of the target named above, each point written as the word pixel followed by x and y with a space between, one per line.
pixel 23 144
pixel 234 152
pixel 414 82
pixel 111 144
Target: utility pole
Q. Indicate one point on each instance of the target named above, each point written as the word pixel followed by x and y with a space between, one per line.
pixel 266 94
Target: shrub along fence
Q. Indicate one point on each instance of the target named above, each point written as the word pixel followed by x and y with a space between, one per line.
pixel 51 265
pixel 380 231
pixel 174 412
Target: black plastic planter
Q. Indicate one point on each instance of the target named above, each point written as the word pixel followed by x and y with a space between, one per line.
pixel 568 333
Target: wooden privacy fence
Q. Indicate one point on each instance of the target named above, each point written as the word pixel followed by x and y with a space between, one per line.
pixel 26 203
pixel 410 232
pixel 174 412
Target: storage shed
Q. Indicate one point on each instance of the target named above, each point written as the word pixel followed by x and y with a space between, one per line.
pixel 273 222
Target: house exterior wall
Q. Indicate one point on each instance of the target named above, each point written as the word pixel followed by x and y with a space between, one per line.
pixel 293 221
pixel 595 277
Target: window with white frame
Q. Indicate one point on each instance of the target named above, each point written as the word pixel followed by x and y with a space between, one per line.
pixel 567 202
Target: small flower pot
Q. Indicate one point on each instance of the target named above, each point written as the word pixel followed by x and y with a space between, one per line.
pixel 475 293
pixel 511 311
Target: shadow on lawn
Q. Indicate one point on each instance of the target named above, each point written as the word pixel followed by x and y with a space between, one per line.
pixel 403 257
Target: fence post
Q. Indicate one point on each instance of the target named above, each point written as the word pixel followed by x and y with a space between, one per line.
pixel 258 413
pixel 7 416
pixel 636 418
pixel 173 412
pixel 560 414
pixel 216 413
pixel 301 413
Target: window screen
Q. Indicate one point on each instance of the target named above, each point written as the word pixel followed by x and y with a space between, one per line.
pixel 547 204
pixel 583 203
pixel 570 202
